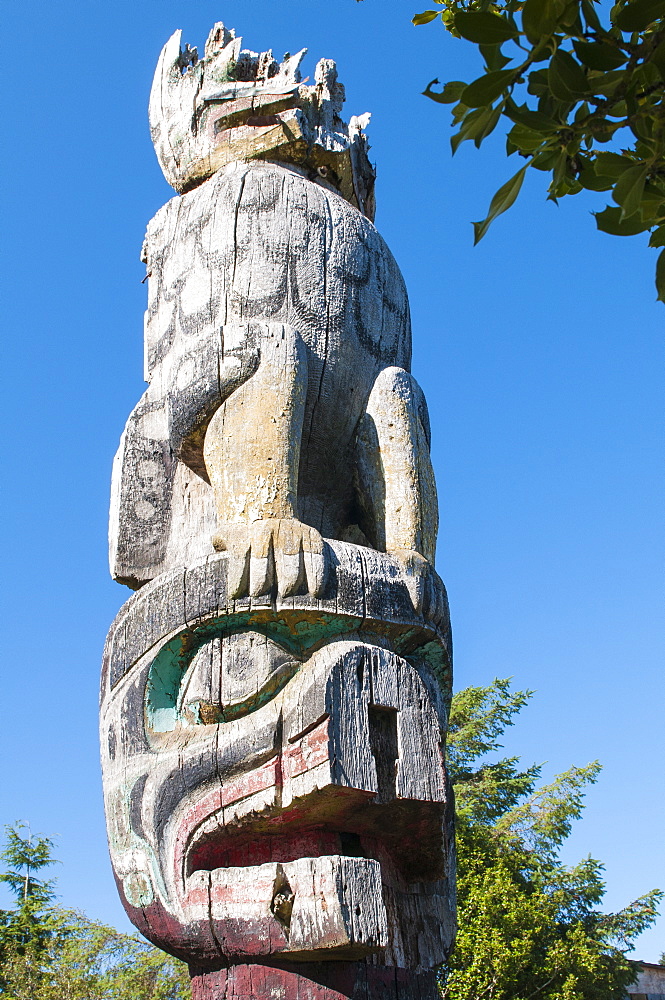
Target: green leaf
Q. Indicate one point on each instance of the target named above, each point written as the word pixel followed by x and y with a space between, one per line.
pixel 559 175
pixel 566 78
pixel 477 124
pixel 658 237
pixel 660 276
pixel 450 93
pixel 487 88
pixel 599 55
pixel 425 17
pixel 538 84
pixel 571 19
pixel 500 203
pixel 629 189
pixel 459 112
pixel 582 112
pixel 610 221
pixel 652 200
pixel 546 160
pixel 605 83
pixel 470 125
pixel 642 128
pixel 540 17
pixel 536 121
pixel 488 126
pixel 494 57
pixel 612 164
pixel 637 14
pixel 646 75
pixel 484 28
pixel 601 129
pixel 590 16
pixel 658 59
pixel 590 179
pixel 524 140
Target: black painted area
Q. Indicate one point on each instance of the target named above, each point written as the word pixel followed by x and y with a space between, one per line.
pixel 383 742
pixel 135 804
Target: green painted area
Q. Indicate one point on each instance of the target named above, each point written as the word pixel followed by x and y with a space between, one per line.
pixel 163 684
pixel 297 632
pixel 227 74
pixel 431 653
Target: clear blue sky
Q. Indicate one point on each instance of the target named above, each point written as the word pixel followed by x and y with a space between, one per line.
pixel 540 351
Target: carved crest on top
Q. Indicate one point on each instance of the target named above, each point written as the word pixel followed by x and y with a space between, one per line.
pixel 234 104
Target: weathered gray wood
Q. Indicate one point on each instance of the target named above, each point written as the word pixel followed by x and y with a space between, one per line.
pixel 309 907
pixel 363 587
pixel 238 105
pixel 292 756
pixel 282 276
pixel 394 466
pixel 274 697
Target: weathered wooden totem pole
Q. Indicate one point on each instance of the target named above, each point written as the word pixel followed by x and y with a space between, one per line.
pixel 274 696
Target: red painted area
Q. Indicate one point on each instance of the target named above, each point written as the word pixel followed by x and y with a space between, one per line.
pixel 248 784
pixel 239 852
pixel 193 942
pixel 306 753
pixel 309 751
pixel 208 806
pixel 314 981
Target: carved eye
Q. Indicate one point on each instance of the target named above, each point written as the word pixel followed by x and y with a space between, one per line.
pixel 232 676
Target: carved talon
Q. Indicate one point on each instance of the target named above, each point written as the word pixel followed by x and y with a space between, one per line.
pixel 426 589
pixel 277 550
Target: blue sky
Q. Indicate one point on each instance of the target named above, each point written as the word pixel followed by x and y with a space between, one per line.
pixel 540 352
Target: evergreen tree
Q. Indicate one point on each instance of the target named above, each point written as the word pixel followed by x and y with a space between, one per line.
pixel 529 926
pixel 29 926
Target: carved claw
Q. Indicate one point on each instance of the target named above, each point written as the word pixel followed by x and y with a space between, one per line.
pixel 428 595
pixel 280 549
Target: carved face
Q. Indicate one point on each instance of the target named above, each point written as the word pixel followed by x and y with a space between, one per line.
pixel 274 782
pixel 234 104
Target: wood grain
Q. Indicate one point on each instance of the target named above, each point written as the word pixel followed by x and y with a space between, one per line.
pixel 270 300
pixel 275 695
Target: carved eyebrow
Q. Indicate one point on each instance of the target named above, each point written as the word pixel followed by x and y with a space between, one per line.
pixel 237 90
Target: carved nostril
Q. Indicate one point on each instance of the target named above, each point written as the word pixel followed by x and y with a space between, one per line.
pixel 385 750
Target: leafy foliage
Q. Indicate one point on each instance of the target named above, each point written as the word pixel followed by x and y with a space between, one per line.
pixel 87 960
pixel 49 953
pixel 583 100
pixel 528 925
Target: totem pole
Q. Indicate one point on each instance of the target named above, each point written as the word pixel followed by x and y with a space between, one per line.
pixel 274 696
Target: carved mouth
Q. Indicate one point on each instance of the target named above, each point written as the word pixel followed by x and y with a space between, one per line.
pixel 222 127
pixel 242 852
pixel 405 837
pixel 311 795
pixel 253 110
